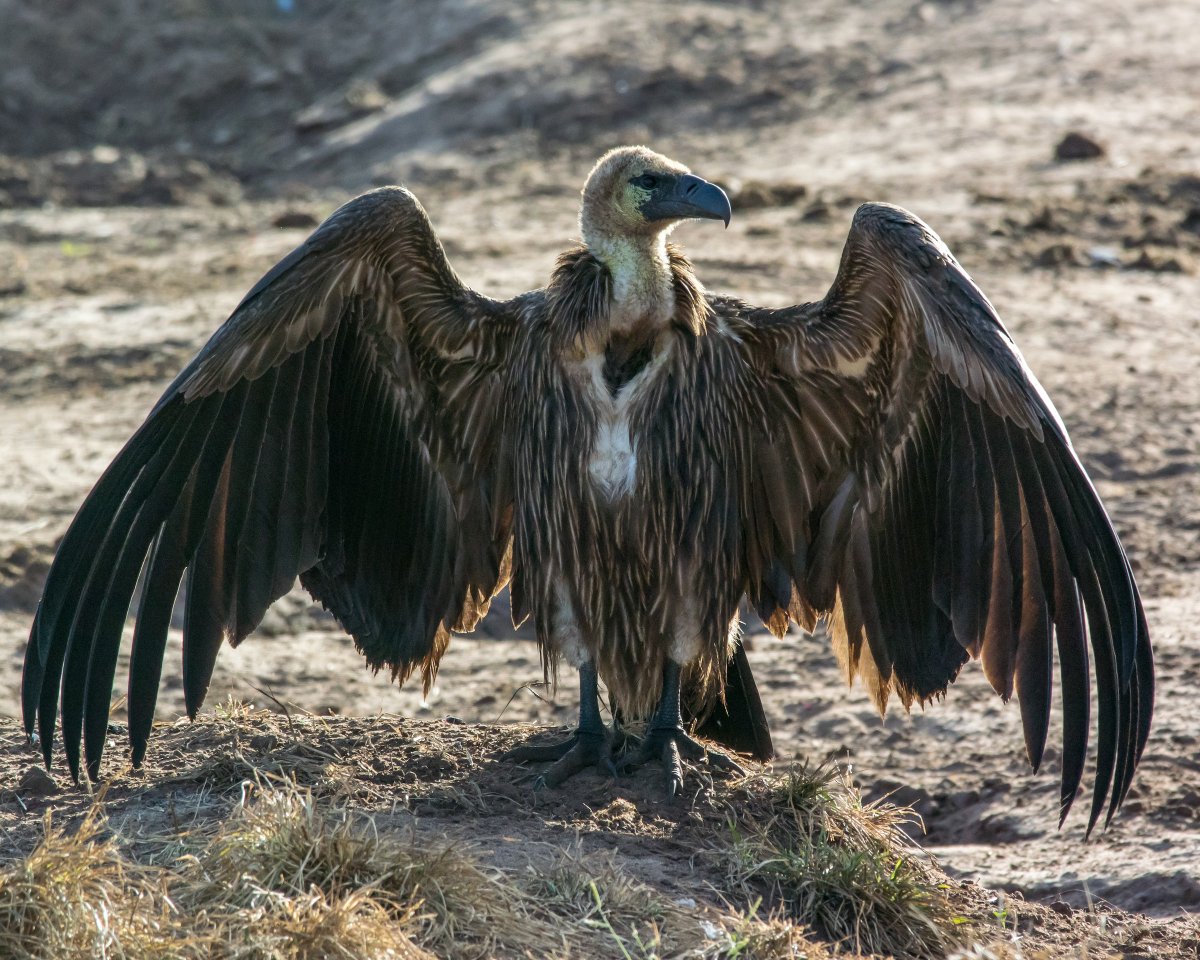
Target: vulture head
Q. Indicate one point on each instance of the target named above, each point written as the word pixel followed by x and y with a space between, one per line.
pixel 635 192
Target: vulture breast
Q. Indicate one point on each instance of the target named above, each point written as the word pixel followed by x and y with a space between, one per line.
pixel 614 381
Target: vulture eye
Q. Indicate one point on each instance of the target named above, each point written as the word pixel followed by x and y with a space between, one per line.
pixel 647 181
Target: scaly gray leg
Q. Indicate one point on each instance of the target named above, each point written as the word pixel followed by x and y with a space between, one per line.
pixel 590 744
pixel 667 741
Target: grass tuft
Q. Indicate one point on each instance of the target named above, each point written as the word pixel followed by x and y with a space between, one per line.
pixel 841 867
pixel 571 882
pixel 77 896
pixel 598 905
pixel 279 849
pixel 280 879
pixel 750 938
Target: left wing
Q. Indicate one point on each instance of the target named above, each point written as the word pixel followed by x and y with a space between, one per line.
pixel 341 425
pixel 912 480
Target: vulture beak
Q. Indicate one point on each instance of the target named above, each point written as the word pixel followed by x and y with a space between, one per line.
pixel 688 198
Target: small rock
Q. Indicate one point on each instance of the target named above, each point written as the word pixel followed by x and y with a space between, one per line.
pixel 818 212
pixel 1104 257
pixel 295 220
pixel 1078 146
pixel 1062 908
pixel 1191 220
pixel 36 782
pixel 366 96
pixel 1057 255
pixel 1045 220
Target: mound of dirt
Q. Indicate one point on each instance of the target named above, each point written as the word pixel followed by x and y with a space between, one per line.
pixel 469 859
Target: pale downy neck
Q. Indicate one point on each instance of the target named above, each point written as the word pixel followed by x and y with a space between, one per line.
pixel 642 283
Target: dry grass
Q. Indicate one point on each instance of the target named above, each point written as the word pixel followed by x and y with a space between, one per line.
pixel 749 937
pixel 279 880
pixel 573 884
pixel 607 913
pixel 808 843
pixel 282 878
pixel 603 907
pixel 281 859
pixel 78 896
pixel 283 747
pixel 349 867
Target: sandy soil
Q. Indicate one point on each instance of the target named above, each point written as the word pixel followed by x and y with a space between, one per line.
pixel 116 263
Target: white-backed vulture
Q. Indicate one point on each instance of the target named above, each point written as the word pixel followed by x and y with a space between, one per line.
pixel 632 455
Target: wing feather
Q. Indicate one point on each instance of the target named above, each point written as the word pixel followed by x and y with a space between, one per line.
pixel 203 626
pixel 946 515
pixel 316 434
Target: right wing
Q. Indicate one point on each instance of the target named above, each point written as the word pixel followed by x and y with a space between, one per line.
pixel 341 425
pixel 913 480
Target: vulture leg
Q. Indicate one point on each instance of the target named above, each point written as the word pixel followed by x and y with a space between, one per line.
pixel 667 741
pixel 590 745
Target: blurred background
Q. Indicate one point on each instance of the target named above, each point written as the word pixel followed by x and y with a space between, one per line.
pixel 207 99
pixel 156 156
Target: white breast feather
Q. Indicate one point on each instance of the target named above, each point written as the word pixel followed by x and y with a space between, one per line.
pixel 613 462
pixel 613 466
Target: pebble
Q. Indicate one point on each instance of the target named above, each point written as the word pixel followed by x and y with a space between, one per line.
pixel 295 220
pixel 1078 146
pixel 36 782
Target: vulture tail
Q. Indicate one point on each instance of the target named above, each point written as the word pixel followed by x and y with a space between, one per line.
pixel 740 722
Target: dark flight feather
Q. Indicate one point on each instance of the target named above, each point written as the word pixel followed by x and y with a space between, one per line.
pixel 963 524
pixel 406 446
pixel 227 485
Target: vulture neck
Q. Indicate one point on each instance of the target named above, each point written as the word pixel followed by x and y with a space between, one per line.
pixel 643 282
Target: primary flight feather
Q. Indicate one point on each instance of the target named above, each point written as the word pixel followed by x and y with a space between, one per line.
pixel 632 455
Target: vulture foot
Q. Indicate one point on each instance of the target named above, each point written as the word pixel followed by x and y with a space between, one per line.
pixel 589 750
pixel 671 746
pixel 667 742
pixel 583 749
pixel 591 745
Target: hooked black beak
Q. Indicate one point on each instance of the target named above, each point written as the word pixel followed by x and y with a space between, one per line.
pixel 689 198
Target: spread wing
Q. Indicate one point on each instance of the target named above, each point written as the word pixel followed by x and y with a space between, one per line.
pixel 912 480
pixel 341 426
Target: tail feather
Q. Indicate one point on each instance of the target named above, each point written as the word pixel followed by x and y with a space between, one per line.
pixel 740 722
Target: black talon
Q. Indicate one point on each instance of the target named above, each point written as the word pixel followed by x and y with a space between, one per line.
pixel 667 742
pixel 541 752
pixel 590 745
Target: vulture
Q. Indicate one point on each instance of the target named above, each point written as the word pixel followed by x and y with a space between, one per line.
pixel 632 456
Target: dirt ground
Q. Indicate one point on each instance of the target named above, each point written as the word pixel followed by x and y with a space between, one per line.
pixel 154 161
